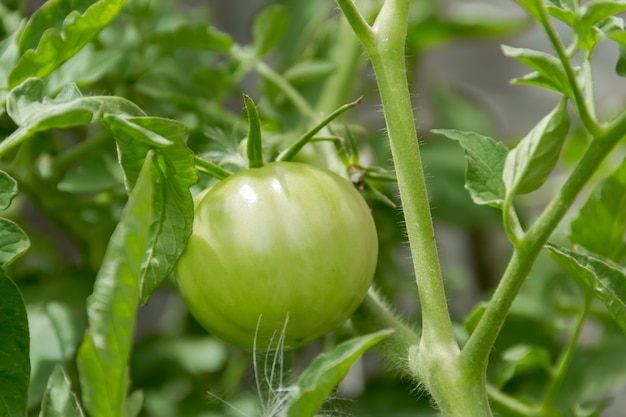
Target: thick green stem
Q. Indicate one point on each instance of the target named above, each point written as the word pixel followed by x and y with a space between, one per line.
pixel 386 53
pixel 435 361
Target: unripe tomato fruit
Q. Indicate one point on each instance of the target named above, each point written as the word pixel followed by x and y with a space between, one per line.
pixel 286 241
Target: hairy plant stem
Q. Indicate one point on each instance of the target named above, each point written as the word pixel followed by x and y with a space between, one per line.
pixel 387 57
pixel 435 360
pixel 372 315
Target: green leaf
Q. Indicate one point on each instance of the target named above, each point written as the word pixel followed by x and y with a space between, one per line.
pixel 57 45
pixel 59 400
pixel 601 223
pixel 485 161
pixel 143 129
pixel 528 165
pixel 564 10
pixel 325 372
pixel 9 54
pixel 136 135
pixel 269 27
pixel 14 360
pixel 188 36
pixel 104 353
pixel 522 359
pixel 55 310
pixel 92 175
pixel 550 72
pixel 174 173
pixel 13 242
pixel 590 15
pixel 8 190
pixel 33 112
pixel 134 404
pixel 607 281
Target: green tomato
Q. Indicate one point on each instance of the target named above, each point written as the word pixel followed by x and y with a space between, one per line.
pixel 286 249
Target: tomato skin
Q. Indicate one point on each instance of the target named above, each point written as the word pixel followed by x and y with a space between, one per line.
pixel 284 240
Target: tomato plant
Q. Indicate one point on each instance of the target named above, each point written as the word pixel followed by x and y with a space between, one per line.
pixel 480 252
pixel 286 245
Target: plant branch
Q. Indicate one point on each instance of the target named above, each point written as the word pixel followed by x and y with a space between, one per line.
pixel 358 23
pixel 476 352
pixel 507 405
pixel 386 52
pixel 581 104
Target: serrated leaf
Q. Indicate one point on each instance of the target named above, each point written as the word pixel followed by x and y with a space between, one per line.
pixel 57 45
pixel 58 399
pixel 485 161
pixel 174 173
pixel 607 281
pixel 136 135
pixel 528 165
pixel 326 371
pixel 14 360
pixel 601 223
pixel 33 112
pixel 269 27
pixel 50 14
pixel 111 309
pixel 549 68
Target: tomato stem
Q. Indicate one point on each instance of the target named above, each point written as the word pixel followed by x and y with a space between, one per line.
pixel 435 361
